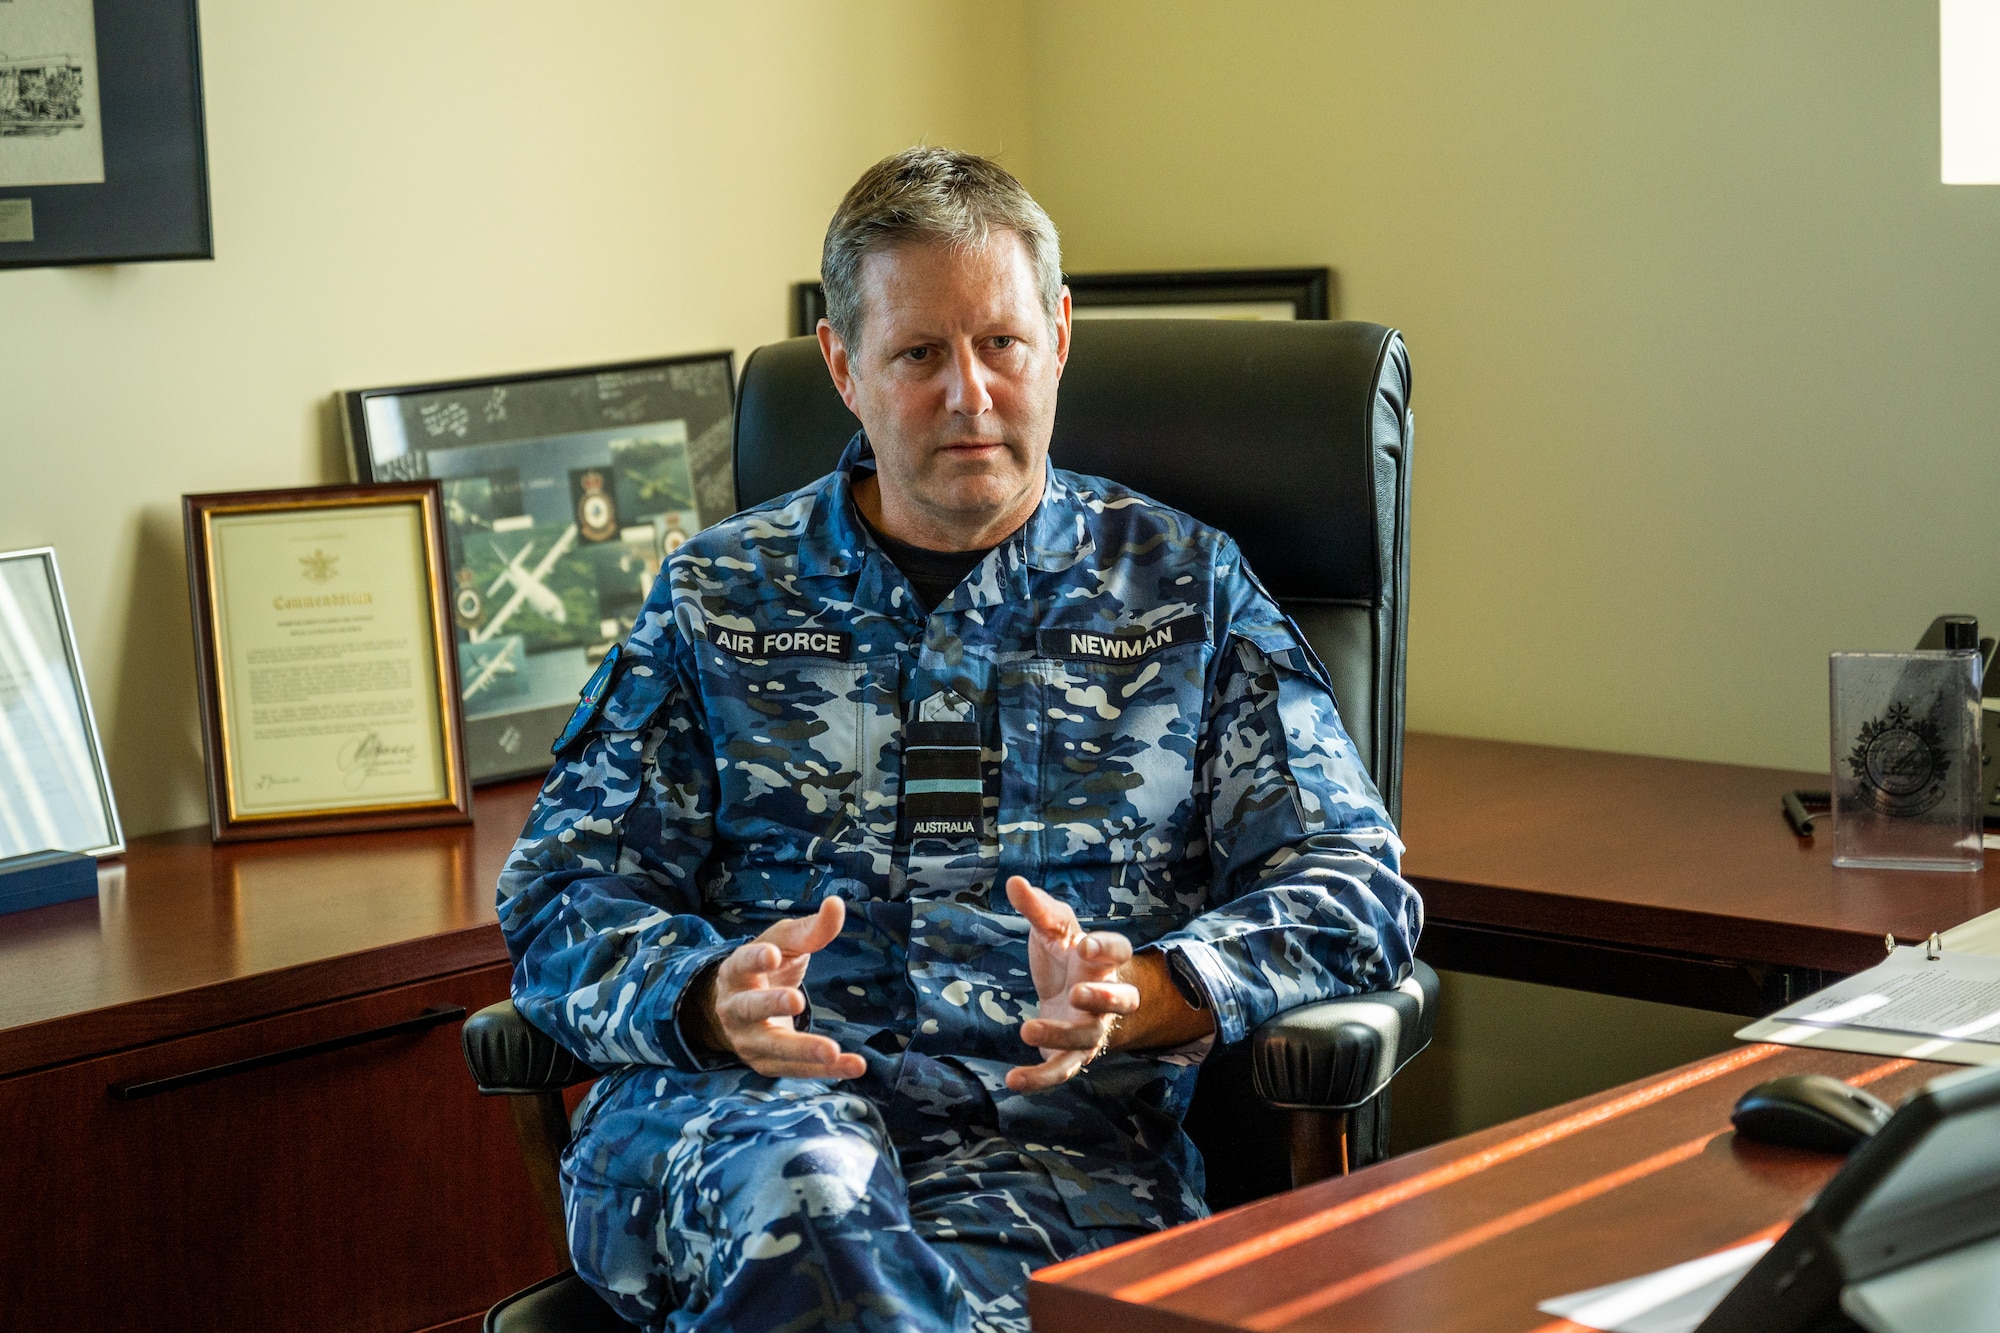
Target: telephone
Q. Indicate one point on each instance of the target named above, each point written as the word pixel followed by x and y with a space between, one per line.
pixel 1906 1236
pixel 1942 631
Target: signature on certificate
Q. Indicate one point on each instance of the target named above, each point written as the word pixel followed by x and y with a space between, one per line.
pixel 364 757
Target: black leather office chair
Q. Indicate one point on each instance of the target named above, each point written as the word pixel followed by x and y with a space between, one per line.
pixel 1295 439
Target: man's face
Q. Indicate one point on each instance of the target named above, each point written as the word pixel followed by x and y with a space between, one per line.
pixel 955 381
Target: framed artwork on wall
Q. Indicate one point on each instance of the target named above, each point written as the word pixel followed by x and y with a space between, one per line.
pixel 564 491
pixel 103 154
pixel 325 660
pixel 54 792
pixel 1241 293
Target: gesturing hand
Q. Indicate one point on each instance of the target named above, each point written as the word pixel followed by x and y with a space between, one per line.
pixel 755 993
pixel 1080 982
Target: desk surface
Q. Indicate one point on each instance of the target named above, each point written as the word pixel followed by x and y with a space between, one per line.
pixel 1517 849
pixel 185 935
pixel 1649 855
pixel 1467 1236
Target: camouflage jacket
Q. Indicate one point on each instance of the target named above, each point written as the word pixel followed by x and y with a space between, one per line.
pixel 1109 704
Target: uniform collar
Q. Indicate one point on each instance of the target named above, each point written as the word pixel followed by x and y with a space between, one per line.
pixel 834 541
pixel 1059 533
pixel 1054 538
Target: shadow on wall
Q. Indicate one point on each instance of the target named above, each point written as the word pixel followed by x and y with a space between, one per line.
pixel 153 740
pixel 154 753
pixel 333 466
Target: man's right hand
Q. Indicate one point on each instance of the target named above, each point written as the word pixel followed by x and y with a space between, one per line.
pixel 746 1005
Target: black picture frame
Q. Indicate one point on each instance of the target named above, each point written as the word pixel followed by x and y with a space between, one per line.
pixel 1310 292
pixel 572 463
pixel 153 203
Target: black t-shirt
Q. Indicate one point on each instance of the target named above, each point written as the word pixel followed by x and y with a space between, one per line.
pixel 934 574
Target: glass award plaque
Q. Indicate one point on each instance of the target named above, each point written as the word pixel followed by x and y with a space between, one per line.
pixel 1905 737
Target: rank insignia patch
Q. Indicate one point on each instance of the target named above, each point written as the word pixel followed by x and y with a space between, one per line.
pixel 943 795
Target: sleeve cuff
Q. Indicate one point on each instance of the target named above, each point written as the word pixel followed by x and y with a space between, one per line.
pixel 689 1057
pixel 1196 961
pixel 694 1059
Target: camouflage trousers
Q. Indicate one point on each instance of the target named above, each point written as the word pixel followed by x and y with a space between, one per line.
pixel 733 1201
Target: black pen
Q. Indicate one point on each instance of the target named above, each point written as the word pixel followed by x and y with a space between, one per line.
pixel 1797 816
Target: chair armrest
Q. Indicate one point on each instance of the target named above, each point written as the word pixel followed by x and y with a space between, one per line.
pixel 1335 1055
pixel 509 1056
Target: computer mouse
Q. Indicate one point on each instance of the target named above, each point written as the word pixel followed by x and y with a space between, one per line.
pixel 1809 1111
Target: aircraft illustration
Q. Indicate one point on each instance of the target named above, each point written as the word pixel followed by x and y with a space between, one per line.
pixel 658 488
pixel 456 512
pixel 500 664
pixel 528 587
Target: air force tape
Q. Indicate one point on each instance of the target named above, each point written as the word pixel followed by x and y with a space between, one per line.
pixel 806 641
pixel 1092 645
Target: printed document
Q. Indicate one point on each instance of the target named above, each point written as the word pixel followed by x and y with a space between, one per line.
pixel 1945 1008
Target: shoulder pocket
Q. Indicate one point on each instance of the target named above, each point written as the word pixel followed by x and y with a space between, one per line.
pixel 1312 742
pixel 1285 645
pixel 1283 637
pixel 621 695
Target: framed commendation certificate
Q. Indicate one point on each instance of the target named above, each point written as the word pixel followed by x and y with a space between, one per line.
pixel 325 659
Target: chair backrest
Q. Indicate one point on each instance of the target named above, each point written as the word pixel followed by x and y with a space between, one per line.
pixel 1294 438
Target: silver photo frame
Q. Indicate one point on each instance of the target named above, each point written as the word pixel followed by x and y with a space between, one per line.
pixel 54 791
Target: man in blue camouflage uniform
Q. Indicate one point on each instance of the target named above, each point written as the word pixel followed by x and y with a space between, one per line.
pixel 843 865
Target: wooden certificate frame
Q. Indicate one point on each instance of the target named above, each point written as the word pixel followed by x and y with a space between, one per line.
pixel 325 659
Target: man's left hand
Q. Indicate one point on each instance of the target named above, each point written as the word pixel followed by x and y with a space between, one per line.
pixel 1080 982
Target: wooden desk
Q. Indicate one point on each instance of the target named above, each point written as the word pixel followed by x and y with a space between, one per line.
pixel 370 1189
pixel 1467 1236
pixel 1657 879
pixel 364 1188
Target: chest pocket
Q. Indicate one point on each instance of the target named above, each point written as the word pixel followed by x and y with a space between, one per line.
pixel 794 751
pixel 1118 744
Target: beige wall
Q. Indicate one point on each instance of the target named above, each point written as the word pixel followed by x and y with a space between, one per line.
pixel 1705 355
pixel 1704 352
pixel 1707 365
pixel 423 191
pixel 1707 361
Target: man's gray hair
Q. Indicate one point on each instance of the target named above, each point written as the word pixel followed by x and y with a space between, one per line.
pixel 931 196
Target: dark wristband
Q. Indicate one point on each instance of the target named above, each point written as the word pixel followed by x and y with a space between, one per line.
pixel 1184 979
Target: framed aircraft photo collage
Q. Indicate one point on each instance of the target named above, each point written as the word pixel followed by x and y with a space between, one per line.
pixel 564 491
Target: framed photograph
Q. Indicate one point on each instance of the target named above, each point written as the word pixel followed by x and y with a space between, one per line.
pixel 54 795
pixel 325 659
pixel 103 157
pixel 563 493
pixel 1238 293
